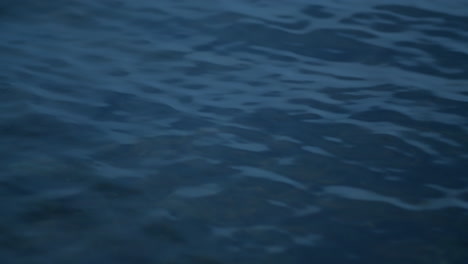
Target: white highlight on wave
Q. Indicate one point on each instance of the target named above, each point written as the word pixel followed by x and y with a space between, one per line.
pixel 449 200
pixel 268 175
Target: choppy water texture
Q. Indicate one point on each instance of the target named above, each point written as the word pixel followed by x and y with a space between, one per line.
pixel 233 131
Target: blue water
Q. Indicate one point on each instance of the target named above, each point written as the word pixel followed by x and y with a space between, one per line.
pixel 247 131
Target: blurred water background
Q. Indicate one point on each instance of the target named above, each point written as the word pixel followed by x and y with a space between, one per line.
pixel 234 131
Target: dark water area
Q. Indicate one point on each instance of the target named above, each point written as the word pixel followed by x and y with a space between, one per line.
pixel 225 132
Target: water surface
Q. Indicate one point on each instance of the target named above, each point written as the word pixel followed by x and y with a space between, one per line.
pixel 233 131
